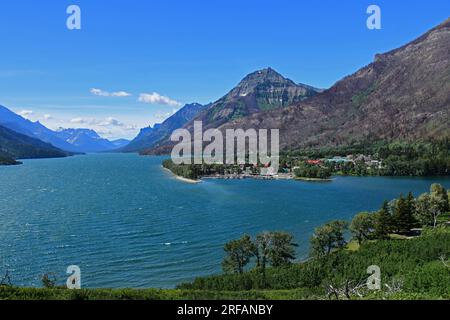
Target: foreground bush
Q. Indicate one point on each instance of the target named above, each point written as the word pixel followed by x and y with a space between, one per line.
pixel 413 263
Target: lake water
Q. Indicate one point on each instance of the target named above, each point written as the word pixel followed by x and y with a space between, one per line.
pixel 128 223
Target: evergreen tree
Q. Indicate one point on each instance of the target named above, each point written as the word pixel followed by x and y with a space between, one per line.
pixel 383 222
pixel 411 207
pixel 239 252
pixel 403 215
pixel 282 249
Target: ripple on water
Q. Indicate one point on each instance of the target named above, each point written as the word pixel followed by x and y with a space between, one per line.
pixel 127 223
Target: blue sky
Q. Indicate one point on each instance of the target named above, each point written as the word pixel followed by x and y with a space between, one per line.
pixel 183 50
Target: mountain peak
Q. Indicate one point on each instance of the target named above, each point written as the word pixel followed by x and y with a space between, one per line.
pixel 267 77
pixel 262 76
pixel 261 90
pixel 193 104
pixel 268 71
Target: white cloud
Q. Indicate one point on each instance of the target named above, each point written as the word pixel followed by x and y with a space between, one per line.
pixel 104 132
pixel 107 127
pixel 104 123
pixel 26 113
pixel 102 93
pixel 98 92
pixel 110 122
pixel 78 121
pixel 156 98
pixel 120 94
pixel 47 117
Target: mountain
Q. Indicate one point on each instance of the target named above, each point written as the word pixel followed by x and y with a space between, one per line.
pixel 403 95
pixel 36 130
pixel 120 143
pixel 14 145
pixel 149 136
pixel 72 140
pixel 259 91
pixel 87 140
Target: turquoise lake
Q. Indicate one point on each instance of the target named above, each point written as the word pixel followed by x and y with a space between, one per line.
pixel 128 223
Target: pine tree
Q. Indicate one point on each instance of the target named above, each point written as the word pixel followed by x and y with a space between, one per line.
pixel 383 222
pixel 411 205
pixel 404 214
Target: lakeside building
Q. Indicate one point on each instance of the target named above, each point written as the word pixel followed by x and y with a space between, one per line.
pixel 340 160
pixel 314 162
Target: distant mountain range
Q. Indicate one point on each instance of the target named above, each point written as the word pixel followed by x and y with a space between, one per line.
pixel 403 95
pixel 36 130
pixel 72 140
pixel 87 140
pixel 14 146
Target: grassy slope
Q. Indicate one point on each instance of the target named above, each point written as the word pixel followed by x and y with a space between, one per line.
pixel 9 293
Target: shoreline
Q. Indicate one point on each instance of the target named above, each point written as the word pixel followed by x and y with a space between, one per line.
pixel 260 177
pixel 313 179
pixel 245 177
pixel 186 180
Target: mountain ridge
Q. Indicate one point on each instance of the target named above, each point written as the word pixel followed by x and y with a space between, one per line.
pixel 150 136
pixel 15 122
pixel 260 90
pixel 404 94
pixel 88 140
pixel 72 140
pixel 14 146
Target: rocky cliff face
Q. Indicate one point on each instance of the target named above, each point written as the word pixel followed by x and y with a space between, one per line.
pixel 259 91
